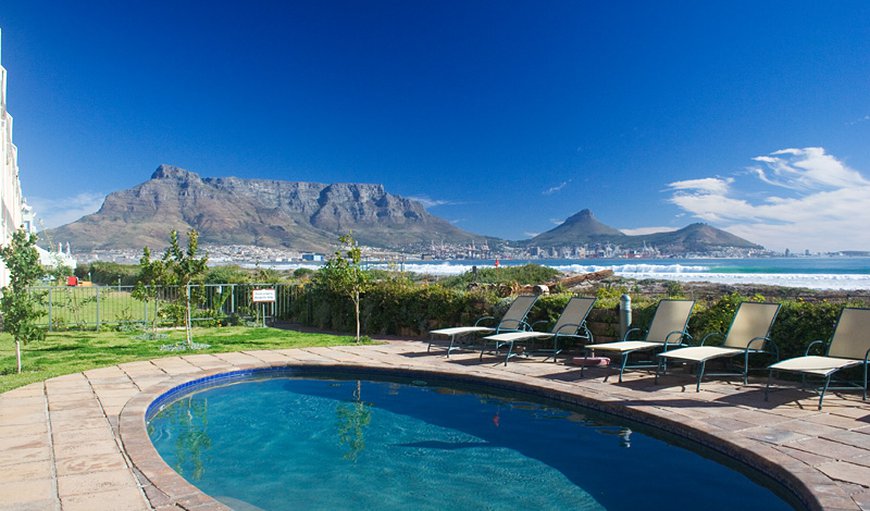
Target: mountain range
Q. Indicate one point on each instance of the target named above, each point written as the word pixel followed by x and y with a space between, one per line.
pixel 310 216
pixel 584 229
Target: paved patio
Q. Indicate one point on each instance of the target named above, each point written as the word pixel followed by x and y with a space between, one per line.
pixel 65 444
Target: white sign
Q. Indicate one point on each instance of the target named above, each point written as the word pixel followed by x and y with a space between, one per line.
pixel 263 295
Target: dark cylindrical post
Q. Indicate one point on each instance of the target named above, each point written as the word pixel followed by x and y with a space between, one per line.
pixel 624 314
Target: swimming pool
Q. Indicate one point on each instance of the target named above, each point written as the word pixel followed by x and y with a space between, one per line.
pixel 300 442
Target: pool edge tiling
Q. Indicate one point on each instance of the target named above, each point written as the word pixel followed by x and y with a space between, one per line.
pixel 80 441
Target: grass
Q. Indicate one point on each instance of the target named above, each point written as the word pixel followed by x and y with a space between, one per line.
pixel 74 351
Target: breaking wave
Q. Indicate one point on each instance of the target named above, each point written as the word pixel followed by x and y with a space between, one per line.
pixel 681 273
pixel 824 274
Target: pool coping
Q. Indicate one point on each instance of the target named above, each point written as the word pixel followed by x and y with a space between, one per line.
pixel 787 438
pixel 146 459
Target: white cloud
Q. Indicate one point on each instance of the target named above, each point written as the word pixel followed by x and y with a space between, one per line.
pixel 531 234
pixel 707 184
pixel 429 202
pixel 811 200
pixel 858 121
pixel 51 213
pixel 557 188
pixel 640 231
pixel 557 221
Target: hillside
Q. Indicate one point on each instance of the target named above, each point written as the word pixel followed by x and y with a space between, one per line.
pixel 584 229
pixel 266 213
pixel 579 229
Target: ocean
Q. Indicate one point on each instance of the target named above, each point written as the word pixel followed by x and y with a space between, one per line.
pixel 847 273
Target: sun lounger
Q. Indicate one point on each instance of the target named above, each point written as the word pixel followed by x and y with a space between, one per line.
pixel 568 326
pixel 668 328
pixel 849 346
pixel 513 320
pixel 748 335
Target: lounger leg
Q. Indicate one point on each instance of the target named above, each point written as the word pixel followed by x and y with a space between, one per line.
pixel 430 344
pixel 555 348
pixel 700 375
pixel 746 369
pixel 824 389
pixel 622 368
pixel 659 369
pixel 450 348
pixel 865 382
pixel 509 352
pixel 767 388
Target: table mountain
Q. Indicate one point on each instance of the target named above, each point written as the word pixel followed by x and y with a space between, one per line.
pixel 267 213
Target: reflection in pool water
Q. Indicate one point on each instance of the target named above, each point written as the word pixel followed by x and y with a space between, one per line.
pixel 280 444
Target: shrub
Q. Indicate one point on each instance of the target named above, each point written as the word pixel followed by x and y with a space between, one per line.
pixel 108 273
pixel 526 275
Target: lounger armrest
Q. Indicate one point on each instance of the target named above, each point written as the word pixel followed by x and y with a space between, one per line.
pixel 821 342
pixel 704 339
pixel 756 340
pixel 484 318
pixel 668 344
pixel 771 347
pixel 628 333
pixel 520 326
pixel 574 326
pixel 539 322
pixel 678 333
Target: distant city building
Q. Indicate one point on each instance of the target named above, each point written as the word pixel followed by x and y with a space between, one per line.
pixel 11 203
pixel 313 257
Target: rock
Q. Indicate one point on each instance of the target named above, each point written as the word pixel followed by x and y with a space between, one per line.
pixel 266 213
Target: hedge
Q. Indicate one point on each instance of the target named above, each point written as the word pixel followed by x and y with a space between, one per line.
pixel 412 309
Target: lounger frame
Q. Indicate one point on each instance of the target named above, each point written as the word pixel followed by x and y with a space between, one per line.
pixel 735 345
pixel 841 351
pixel 577 306
pixel 656 339
pixel 513 320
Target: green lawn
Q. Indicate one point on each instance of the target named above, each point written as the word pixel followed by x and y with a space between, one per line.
pixel 73 351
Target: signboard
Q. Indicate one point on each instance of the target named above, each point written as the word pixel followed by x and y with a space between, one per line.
pixel 263 295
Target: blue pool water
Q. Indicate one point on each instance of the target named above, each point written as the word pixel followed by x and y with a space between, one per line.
pixel 287 443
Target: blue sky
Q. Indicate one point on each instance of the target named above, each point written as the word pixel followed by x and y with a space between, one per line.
pixel 504 117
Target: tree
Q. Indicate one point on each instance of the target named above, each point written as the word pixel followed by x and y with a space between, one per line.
pixel 344 275
pixel 353 418
pixel 187 269
pixel 153 277
pixel 20 307
pixel 177 267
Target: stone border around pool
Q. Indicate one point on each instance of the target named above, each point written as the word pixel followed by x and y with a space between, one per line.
pixel 174 489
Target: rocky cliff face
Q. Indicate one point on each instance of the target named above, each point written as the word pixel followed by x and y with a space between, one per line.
pixel 269 213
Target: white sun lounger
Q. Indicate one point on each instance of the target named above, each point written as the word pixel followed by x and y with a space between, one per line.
pixel 849 346
pixel 748 335
pixel 513 320
pixel 569 324
pixel 668 328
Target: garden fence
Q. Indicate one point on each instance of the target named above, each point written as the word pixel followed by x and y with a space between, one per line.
pixel 98 306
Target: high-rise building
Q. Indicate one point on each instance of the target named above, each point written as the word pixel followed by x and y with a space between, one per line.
pixel 11 205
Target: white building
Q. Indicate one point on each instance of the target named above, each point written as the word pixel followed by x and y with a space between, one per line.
pixel 10 187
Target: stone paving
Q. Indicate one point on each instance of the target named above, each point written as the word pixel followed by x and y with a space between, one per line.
pixel 66 445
